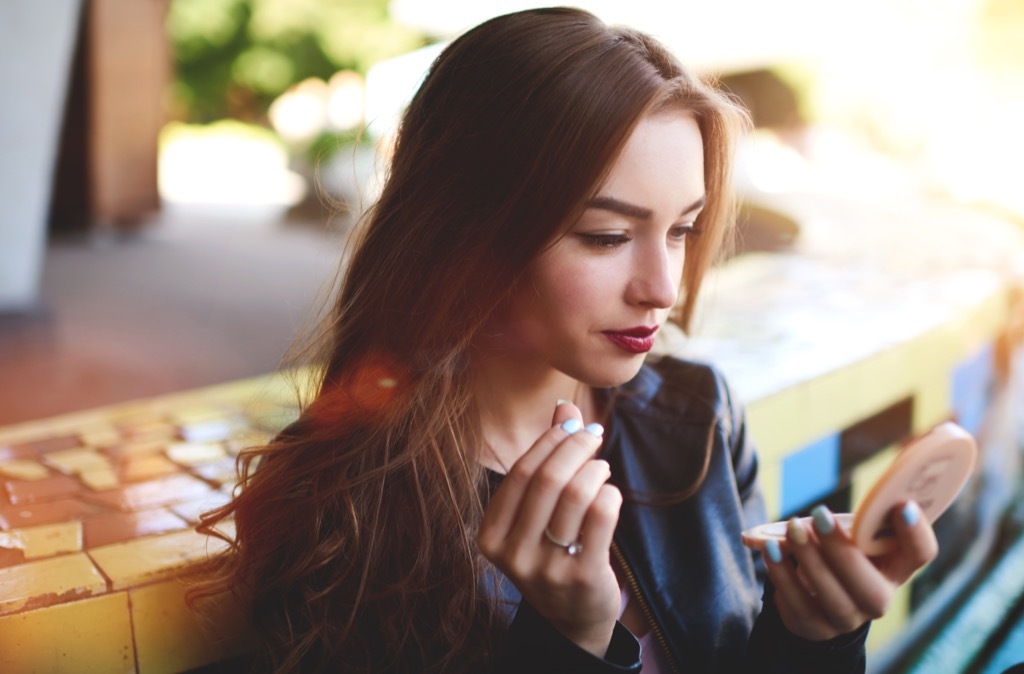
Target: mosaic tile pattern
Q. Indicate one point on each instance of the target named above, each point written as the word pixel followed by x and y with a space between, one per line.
pixel 97 517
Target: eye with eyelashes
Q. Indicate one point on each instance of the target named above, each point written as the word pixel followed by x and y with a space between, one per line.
pixel 605 240
pixel 615 239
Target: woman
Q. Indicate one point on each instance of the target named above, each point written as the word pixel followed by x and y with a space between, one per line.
pixel 555 186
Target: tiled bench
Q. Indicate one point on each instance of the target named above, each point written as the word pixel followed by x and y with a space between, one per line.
pixel 97 517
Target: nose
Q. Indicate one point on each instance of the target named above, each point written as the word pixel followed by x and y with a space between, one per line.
pixel 657 274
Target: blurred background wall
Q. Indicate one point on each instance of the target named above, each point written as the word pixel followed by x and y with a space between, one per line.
pixel 115 108
pixel 38 40
pixel 221 124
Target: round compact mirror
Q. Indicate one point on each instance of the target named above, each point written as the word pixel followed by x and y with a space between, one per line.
pixel 930 470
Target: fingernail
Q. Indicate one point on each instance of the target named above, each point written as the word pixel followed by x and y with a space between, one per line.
pixel 771 546
pixel 595 429
pixel 796 532
pixel 824 523
pixel 570 426
pixel 911 513
pixel 561 401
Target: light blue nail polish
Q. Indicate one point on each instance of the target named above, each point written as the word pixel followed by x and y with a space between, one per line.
pixel 824 523
pixel 774 551
pixel 911 514
pixel 595 429
pixel 570 426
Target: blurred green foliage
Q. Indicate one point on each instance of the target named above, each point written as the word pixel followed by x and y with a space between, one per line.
pixel 328 143
pixel 233 57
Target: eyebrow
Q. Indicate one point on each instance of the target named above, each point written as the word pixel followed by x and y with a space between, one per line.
pixel 637 212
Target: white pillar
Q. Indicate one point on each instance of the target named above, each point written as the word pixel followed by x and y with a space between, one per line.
pixel 37 41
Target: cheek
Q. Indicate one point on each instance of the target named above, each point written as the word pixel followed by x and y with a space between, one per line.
pixel 573 289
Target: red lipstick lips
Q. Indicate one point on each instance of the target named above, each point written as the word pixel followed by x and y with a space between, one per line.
pixel 634 340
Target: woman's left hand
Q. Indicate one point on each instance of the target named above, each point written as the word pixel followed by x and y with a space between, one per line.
pixel 826 586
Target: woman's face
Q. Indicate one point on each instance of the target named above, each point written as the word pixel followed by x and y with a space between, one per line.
pixel 591 303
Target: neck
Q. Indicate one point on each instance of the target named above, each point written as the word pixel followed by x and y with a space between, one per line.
pixel 516 403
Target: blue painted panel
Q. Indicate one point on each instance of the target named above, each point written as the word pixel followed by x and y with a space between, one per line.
pixel 810 474
pixel 972 386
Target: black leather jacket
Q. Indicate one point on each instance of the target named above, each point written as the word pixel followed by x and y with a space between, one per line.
pixel 701 586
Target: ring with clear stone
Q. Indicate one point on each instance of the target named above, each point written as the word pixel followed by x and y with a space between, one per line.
pixel 572 548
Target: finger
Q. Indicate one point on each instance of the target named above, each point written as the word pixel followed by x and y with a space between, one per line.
pixel 599 524
pixel 825 590
pixel 505 503
pixel 569 419
pixel 567 520
pixel 549 480
pixel 869 589
pixel 794 603
pixel 565 410
pixel 917 545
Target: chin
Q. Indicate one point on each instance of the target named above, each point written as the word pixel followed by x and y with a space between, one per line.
pixel 613 374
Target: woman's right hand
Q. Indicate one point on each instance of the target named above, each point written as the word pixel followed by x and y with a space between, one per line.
pixel 558 486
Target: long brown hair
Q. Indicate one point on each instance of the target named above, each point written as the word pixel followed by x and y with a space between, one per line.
pixel 355 545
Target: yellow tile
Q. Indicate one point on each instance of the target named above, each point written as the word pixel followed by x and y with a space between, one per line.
pixel 153 558
pixel 271 417
pixel 889 376
pixel 139 447
pixel 190 511
pixel 71 461
pixel 770 477
pixel 10 540
pixel 212 430
pixel 222 472
pixel 47 582
pixel 160 430
pixel 838 399
pixel 842 398
pixel 894 620
pixel 195 453
pixel 196 413
pixel 932 401
pixel 169 637
pixel 100 478
pixel 139 414
pixel 985 320
pixel 134 467
pixel 245 440
pixel 776 423
pixel 942 347
pixel 927 355
pixel 100 436
pixel 22 469
pixel 81 637
pixel 45 540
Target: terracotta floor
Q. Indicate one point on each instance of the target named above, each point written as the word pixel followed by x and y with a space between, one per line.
pixel 192 300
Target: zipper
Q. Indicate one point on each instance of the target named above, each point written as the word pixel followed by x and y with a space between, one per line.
pixel 645 607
